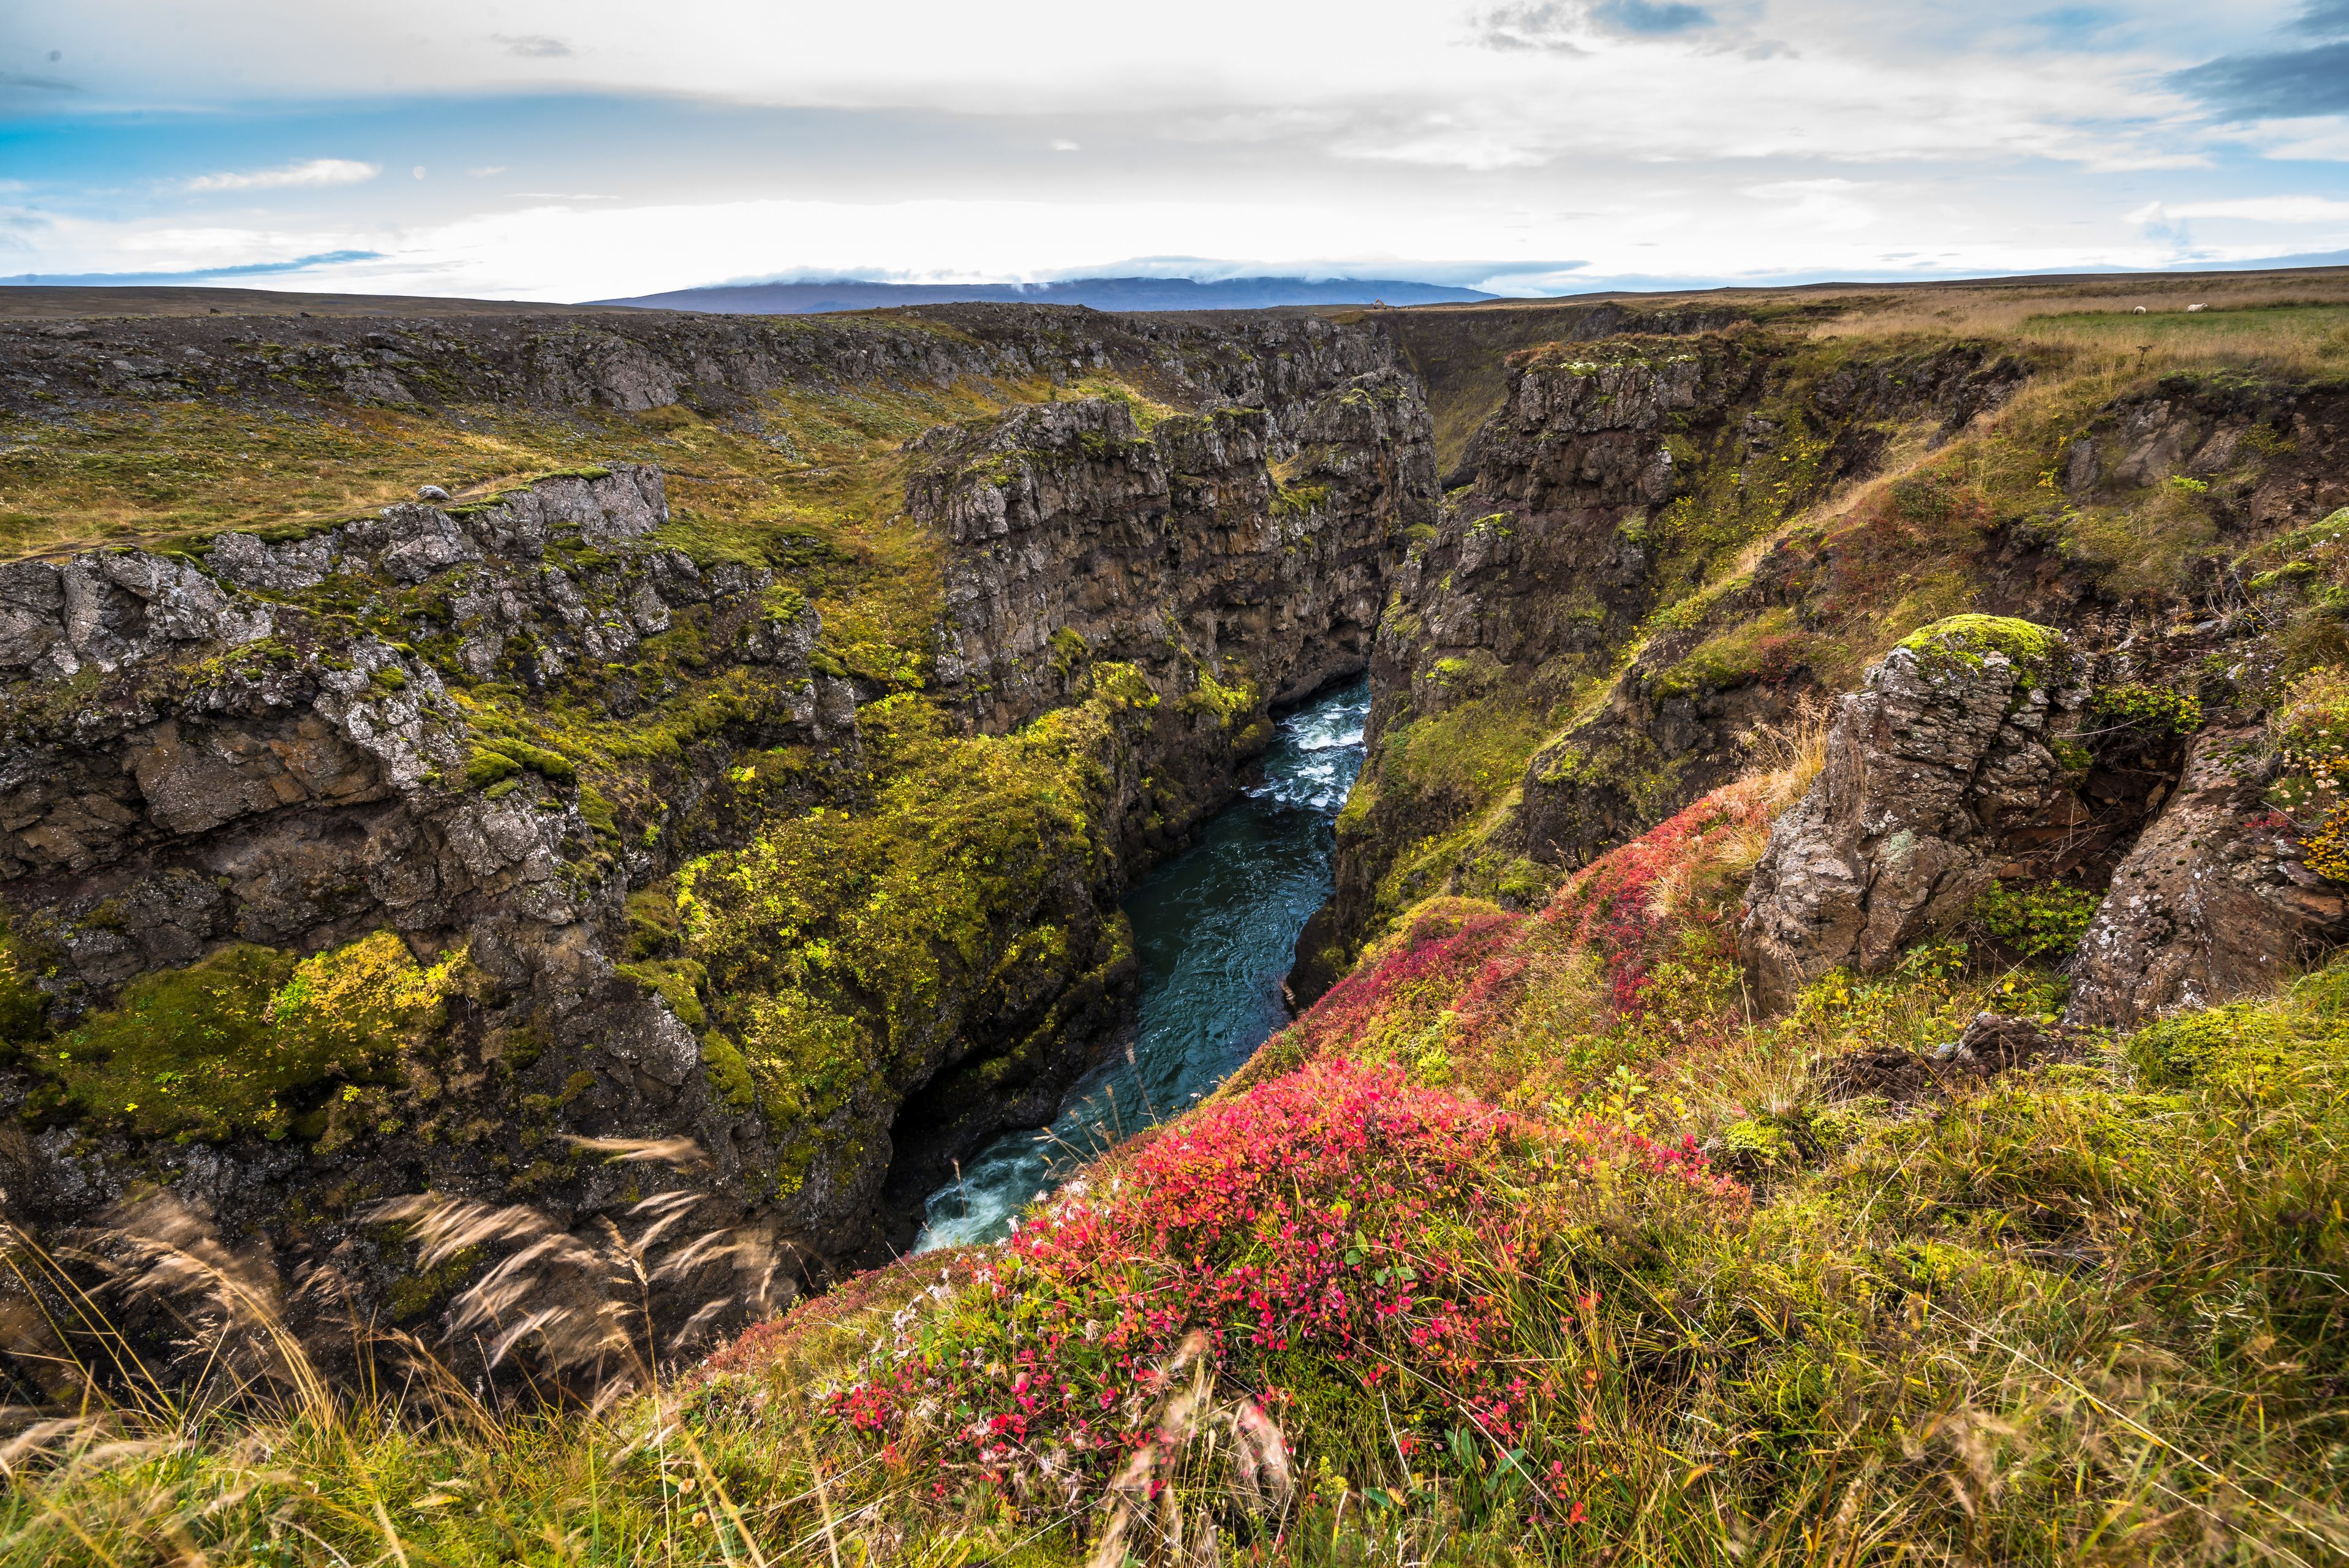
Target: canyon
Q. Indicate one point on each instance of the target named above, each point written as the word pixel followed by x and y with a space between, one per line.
pixel 748 748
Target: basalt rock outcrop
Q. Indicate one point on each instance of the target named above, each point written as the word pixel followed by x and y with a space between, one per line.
pixel 1674 726
pixel 1238 569
pixel 638 361
pixel 1941 775
pixel 213 761
pixel 2216 900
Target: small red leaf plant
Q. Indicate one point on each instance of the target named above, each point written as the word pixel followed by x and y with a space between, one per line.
pixel 1645 905
pixel 1335 1230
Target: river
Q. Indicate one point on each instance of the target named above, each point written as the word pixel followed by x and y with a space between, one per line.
pixel 1214 930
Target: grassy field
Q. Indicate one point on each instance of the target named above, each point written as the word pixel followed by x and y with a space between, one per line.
pixel 812 481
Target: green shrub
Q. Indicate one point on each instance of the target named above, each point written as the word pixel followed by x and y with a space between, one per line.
pixel 2040 920
pixel 2156 710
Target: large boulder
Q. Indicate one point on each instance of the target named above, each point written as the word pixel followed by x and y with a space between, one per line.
pixel 2215 901
pixel 1941 776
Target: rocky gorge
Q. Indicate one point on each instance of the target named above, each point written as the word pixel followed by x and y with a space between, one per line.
pixel 443 845
pixel 744 754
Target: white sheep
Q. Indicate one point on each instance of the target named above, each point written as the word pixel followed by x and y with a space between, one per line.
pixel 2140 311
pixel 2192 308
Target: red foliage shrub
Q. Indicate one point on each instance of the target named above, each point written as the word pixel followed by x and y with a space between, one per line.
pixel 1337 1224
pixel 1439 956
pixel 1633 900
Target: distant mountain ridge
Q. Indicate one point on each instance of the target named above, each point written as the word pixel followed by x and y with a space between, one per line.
pixel 1101 294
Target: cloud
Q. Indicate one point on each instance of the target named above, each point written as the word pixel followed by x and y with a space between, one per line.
pixel 533 46
pixel 316 171
pixel 2250 209
pixel 2324 19
pixel 198 274
pixel 2280 84
pixel 2318 138
pixel 1818 205
pixel 35 95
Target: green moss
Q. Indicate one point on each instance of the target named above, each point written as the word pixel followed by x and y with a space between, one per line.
pixel 24 1006
pixel 484 768
pixel 677 980
pixel 226 1045
pixel 596 812
pixel 1296 500
pixel 1754 1142
pixel 1768 648
pixel 1467 676
pixel 1965 642
pixel 539 759
pixel 837 940
pixel 729 1074
pixel 2290 571
pixel 1229 705
pixel 2222 1045
pixel 412 1295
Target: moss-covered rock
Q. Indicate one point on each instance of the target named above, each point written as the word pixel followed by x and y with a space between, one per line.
pixel 247 1039
pixel 1962 643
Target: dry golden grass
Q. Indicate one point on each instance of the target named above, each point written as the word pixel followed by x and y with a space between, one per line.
pixel 2296 324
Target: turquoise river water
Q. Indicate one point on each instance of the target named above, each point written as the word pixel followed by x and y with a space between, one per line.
pixel 1214 930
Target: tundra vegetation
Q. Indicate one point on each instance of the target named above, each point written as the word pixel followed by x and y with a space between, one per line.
pixel 1534 1238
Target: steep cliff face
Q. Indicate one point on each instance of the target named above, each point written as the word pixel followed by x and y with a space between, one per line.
pixel 1527 710
pixel 228 775
pixel 350 857
pixel 1207 566
pixel 1234 568
pixel 1173 547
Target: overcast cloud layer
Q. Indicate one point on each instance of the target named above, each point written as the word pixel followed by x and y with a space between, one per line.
pixel 588 149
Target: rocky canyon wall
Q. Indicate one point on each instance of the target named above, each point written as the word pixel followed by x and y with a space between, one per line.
pixel 1518 723
pixel 429 847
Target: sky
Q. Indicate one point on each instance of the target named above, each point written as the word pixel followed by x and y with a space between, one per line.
pixel 590 149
